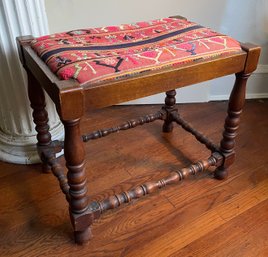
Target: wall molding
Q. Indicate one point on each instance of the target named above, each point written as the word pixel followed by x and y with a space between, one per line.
pixel 248 96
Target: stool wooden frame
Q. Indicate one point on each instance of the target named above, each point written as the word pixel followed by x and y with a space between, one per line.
pixel 73 99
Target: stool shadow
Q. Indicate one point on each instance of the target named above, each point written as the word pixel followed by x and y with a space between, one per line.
pixel 167 140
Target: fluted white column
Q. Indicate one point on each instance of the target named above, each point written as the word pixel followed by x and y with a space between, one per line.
pixel 17 133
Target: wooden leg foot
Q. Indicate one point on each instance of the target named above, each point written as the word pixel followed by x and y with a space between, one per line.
pixel 221 173
pixel 82 237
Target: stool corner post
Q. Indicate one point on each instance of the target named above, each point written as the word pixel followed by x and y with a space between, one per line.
pixel 231 124
pixel 22 41
pixel 253 54
pixel 74 153
pixel 40 118
pixel 71 103
pixel 178 17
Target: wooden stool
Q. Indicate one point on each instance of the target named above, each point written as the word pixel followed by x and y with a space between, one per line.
pixel 94 68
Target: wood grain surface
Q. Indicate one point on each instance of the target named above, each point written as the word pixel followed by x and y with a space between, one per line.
pixel 200 216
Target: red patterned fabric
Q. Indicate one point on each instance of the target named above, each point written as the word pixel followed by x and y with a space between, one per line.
pixel 108 53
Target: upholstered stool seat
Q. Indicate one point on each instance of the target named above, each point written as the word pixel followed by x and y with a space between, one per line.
pixel 103 54
pixel 97 67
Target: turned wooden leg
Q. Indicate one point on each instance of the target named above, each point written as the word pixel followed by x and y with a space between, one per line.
pixel 169 106
pixel 75 162
pixel 236 103
pixel 40 117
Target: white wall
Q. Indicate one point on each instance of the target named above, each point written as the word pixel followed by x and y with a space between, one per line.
pixel 246 20
pixel 71 14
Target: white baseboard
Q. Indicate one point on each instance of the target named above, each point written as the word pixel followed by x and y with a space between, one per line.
pixel 248 96
pixel 256 87
pixel 262 68
pixel 256 95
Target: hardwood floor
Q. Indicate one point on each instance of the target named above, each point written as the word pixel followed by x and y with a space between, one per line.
pixel 198 217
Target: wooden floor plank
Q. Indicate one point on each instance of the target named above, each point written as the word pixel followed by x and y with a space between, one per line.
pixel 181 236
pixel 242 236
pixel 181 220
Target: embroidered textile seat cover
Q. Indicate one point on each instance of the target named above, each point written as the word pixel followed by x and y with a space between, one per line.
pixel 108 53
